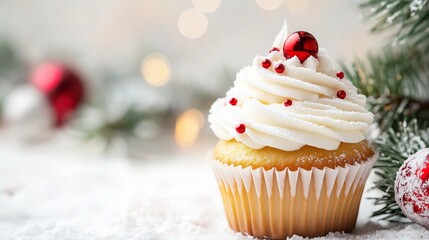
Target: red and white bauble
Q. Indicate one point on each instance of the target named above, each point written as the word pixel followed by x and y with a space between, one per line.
pixel 51 97
pixel 412 187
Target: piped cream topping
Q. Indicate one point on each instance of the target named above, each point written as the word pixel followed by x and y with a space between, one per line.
pixel 317 117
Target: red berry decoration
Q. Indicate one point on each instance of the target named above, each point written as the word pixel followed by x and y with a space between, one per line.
pixel 62 86
pixel 233 101
pixel 301 44
pixel 341 94
pixel 280 68
pixel 241 128
pixel 274 49
pixel 340 75
pixel 287 102
pixel 412 187
pixel 266 63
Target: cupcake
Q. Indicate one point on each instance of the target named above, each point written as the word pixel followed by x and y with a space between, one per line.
pixel 293 157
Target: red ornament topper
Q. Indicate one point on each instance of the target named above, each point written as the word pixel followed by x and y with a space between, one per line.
pixel 301 44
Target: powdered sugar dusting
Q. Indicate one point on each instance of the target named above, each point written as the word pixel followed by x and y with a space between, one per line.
pixel 412 190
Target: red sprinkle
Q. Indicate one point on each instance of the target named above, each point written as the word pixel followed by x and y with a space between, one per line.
pixel 233 101
pixel 341 94
pixel 340 75
pixel 266 63
pixel 280 68
pixel 240 128
pixel 287 102
pixel 274 49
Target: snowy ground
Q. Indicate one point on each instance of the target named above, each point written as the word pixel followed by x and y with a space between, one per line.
pixel 51 193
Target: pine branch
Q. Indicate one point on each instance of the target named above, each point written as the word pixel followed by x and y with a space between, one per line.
pixel 409 18
pixel 395 146
pixel 106 129
pixel 8 59
pixel 397 83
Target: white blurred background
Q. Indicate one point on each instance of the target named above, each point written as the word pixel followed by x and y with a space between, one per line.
pixel 151 69
pixel 166 56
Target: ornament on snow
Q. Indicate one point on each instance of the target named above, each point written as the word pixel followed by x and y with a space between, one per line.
pixel 62 86
pixel 53 94
pixel 301 44
pixel 27 113
pixel 412 187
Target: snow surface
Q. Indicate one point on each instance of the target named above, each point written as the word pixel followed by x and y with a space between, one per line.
pixel 53 193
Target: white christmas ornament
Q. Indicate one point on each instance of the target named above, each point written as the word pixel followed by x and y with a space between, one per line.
pixel 412 187
pixel 27 113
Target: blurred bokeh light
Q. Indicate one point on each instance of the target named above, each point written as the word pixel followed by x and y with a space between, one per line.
pixel 188 126
pixel 192 23
pixel 156 69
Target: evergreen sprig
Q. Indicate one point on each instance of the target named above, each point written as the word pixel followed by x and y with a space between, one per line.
pixel 395 147
pixel 396 83
pixel 125 126
pixel 409 19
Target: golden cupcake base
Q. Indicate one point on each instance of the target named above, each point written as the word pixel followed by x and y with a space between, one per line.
pixel 276 204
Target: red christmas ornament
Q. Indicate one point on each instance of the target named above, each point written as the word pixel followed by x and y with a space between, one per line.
pixel 241 128
pixel 287 102
pixel 274 49
pixel 62 86
pixel 341 94
pixel 280 68
pixel 266 63
pixel 340 75
pixel 233 101
pixel 301 44
pixel 412 187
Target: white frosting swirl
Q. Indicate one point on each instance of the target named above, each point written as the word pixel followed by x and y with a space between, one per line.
pixel 317 117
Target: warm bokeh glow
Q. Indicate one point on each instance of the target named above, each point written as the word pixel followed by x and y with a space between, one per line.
pixel 296 6
pixel 188 126
pixel 269 4
pixel 206 6
pixel 192 23
pixel 156 69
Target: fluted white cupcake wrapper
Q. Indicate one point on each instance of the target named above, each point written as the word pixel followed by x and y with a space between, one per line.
pixel 277 204
pixel 337 179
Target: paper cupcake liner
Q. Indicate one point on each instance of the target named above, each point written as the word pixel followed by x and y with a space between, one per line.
pixel 277 204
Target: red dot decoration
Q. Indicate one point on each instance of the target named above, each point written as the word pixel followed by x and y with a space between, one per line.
pixel 340 75
pixel 233 101
pixel 241 128
pixel 266 63
pixel 423 173
pixel 301 44
pixel 341 94
pixel 274 49
pixel 280 68
pixel 287 102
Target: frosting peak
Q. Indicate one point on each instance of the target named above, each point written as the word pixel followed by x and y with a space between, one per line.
pixel 314 114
